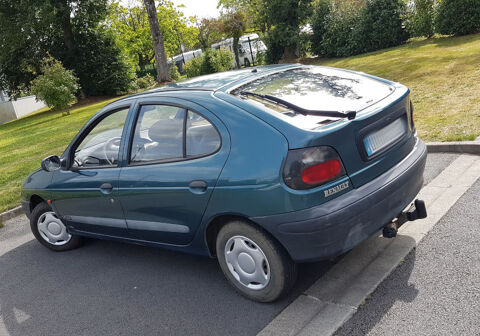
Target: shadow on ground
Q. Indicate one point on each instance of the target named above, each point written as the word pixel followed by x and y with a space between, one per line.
pixel 108 288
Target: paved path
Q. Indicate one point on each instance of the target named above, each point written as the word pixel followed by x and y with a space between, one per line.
pixel 436 291
pixel 108 288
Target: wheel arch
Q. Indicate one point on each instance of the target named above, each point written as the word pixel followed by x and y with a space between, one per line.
pixel 34 201
pixel 219 221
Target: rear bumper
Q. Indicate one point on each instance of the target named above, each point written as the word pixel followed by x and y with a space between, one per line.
pixel 337 226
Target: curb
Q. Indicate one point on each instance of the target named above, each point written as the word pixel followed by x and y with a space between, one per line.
pixel 462 147
pixel 4 216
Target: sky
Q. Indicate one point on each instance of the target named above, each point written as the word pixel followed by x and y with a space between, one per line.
pixel 200 8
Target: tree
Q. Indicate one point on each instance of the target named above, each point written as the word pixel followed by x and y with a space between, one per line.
pixel 234 26
pixel 209 32
pixel 421 18
pixel 132 31
pixel 458 17
pixel 163 74
pixel 68 30
pixel 279 20
pixel 56 86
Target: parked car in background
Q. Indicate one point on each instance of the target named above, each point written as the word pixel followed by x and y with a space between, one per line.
pixel 249 49
pixel 181 59
pixel 261 168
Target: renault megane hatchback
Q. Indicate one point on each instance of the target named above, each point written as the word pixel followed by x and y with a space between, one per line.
pixel 261 168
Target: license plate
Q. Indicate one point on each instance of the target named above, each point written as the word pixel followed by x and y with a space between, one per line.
pixel 378 140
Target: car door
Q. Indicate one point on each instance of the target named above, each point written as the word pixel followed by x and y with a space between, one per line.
pixel 86 194
pixel 174 159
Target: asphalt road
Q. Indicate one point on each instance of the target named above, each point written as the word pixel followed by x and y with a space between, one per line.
pixel 436 290
pixel 109 288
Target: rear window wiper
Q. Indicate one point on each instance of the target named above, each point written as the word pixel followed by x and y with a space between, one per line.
pixel 333 114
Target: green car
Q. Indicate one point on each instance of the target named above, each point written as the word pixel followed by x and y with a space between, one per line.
pixel 261 168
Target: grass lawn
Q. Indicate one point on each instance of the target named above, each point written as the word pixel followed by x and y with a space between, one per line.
pixel 443 75
pixel 25 142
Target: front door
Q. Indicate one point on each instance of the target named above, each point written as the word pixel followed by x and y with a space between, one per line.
pixel 86 195
pixel 174 160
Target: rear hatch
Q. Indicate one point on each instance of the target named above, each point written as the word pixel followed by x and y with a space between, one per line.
pixel 380 136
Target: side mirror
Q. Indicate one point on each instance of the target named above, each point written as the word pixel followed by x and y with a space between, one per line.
pixel 51 163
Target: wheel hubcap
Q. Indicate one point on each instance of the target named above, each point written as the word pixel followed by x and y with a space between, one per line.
pixel 52 230
pixel 247 262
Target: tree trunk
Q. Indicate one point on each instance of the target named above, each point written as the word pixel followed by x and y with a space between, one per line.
pixel 236 52
pixel 160 56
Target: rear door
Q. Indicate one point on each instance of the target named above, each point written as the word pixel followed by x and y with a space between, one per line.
pixel 176 153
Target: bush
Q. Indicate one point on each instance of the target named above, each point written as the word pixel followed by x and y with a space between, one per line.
pixel 319 25
pixel 105 73
pixel 174 74
pixel 458 17
pixel 420 18
pixel 350 28
pixel 381 25
pixel 56 86
pixel 211 61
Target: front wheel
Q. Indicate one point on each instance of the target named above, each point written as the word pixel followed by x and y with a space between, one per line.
pixel 255 264
pixel 50 230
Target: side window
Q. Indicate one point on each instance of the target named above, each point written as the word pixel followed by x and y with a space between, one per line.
pixel 158 134
pixel 165 132
pixel 202 137
pixel 100 147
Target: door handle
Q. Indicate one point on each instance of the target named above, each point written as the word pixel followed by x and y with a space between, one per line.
pixel 106 188
pixel 198 187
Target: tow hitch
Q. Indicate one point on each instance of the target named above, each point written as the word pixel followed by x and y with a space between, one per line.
pixel 416 211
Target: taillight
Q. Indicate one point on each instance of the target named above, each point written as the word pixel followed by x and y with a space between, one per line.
pixel 310 167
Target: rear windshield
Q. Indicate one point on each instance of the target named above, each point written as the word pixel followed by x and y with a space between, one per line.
pixel 316 88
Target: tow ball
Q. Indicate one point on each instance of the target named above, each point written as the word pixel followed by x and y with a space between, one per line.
pixel 416 211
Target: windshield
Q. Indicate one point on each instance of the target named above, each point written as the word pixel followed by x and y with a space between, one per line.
pixel 316 88
pixel 319 88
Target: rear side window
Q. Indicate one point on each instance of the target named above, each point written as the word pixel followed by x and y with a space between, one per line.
pixel 166 133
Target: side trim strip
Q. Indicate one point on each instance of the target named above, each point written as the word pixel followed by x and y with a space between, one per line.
pixel 111 222
pixel 157 226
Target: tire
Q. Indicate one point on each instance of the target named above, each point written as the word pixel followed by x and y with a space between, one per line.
pixel 45 223
pixel 241 245
pixel 246 62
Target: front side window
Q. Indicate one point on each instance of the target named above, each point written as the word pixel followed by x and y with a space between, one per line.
pixel 171 133
pixel 100 147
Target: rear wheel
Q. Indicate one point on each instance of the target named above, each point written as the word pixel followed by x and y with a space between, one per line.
pixel 50 230
pixel 255 264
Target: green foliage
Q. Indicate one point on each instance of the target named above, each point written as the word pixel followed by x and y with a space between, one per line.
pixel 351 28
pixel 209 32
pixel 381 25
pixel 458 17
pixel 233 25
pixel 142 83
pixel 68 30
pixel 174 74
pixel 132 31
pixel 211 61
pixel 104 69
pixel 283 19
pixel 319 25
pixel 56 86
pixel 420 18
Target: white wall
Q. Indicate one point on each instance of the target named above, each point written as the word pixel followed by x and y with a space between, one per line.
pixel 26 105
pixel 14 109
